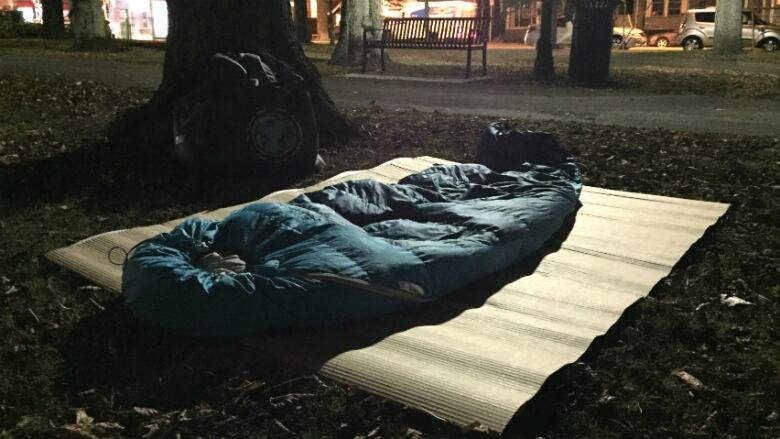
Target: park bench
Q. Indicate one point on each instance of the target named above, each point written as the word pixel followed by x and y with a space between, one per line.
pixel 467 33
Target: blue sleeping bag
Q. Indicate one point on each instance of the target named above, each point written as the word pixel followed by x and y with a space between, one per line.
pixel 349 252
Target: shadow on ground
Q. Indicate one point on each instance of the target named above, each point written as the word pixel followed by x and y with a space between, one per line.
pixel 108 177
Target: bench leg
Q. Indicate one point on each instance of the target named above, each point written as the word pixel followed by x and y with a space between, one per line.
pixel 468 64
pixel 484 60
pixel 365 51
pixel 382 57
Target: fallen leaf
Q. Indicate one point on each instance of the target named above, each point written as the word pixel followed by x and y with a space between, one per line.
pixel 288 399
pixel 411 433
pixel 688 379
pixel 86 427
pixel 475 426
pixel 145 412
pixel 733 301
pixel 10 159
pixel 82 418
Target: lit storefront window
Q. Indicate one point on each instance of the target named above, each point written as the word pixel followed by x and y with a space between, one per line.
pixel 138 19
pixel 436 9
pixel 30 10
pixel 160 18
pixel 148 19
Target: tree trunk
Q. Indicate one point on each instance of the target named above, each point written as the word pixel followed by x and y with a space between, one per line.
pixel 332 24
pixel 543 65
pixel 356 15
pixel 302 21
pixel 200 28
pixel 53 21
pixel 88 23
pixel 728 27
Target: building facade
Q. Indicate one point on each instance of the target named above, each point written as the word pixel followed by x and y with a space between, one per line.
pixel 148 19
pixel 658 15
pixel 138 19
pixel 649 15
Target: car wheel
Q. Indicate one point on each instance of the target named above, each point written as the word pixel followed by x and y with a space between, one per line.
pixel 662 42
pixel 692 43
pixel 770 44
pixel 616 40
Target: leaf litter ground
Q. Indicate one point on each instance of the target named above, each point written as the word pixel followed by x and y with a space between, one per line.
pixel 681 363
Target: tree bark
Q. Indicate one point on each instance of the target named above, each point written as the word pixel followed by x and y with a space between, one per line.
pixel 200 28
pixel 53 21
pixel 88 22
pixel 544 66
pixel 356 15
pixel 332 24
pixel 728 27
pixel 302 21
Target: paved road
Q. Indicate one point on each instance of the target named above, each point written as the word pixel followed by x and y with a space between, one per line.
pixel 619 107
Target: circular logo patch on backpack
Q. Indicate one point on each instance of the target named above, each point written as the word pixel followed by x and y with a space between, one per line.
pixel 274 134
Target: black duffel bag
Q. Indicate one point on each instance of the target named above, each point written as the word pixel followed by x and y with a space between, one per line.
pixel 502 148
pixel 252 114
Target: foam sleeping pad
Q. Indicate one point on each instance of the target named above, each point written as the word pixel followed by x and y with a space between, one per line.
pixel 353 251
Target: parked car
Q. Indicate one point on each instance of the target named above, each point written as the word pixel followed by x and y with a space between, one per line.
pixel 697 30
pixel 663 39
pixel 630 35
pixel 532 35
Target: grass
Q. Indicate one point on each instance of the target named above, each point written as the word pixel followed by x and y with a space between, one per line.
pixel 752 74
pixel 73 362
pixel 126 52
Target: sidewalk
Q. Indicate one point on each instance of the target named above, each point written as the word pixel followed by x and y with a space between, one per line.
pixel 607 107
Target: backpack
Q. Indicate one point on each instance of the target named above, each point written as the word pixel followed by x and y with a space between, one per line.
pixel 252 114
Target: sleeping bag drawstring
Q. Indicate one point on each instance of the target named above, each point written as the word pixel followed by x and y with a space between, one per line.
pixel 124 256
pixel 111 252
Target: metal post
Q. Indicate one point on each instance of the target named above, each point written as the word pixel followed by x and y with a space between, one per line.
pixel 490 23
pixel 753 25
pixel 427 23
pixel 151 19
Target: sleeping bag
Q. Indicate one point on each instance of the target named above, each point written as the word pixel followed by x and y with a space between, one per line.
pixel 352 251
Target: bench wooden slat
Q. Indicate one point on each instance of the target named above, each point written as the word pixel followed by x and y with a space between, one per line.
pixel 439 32
pixel 464 33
